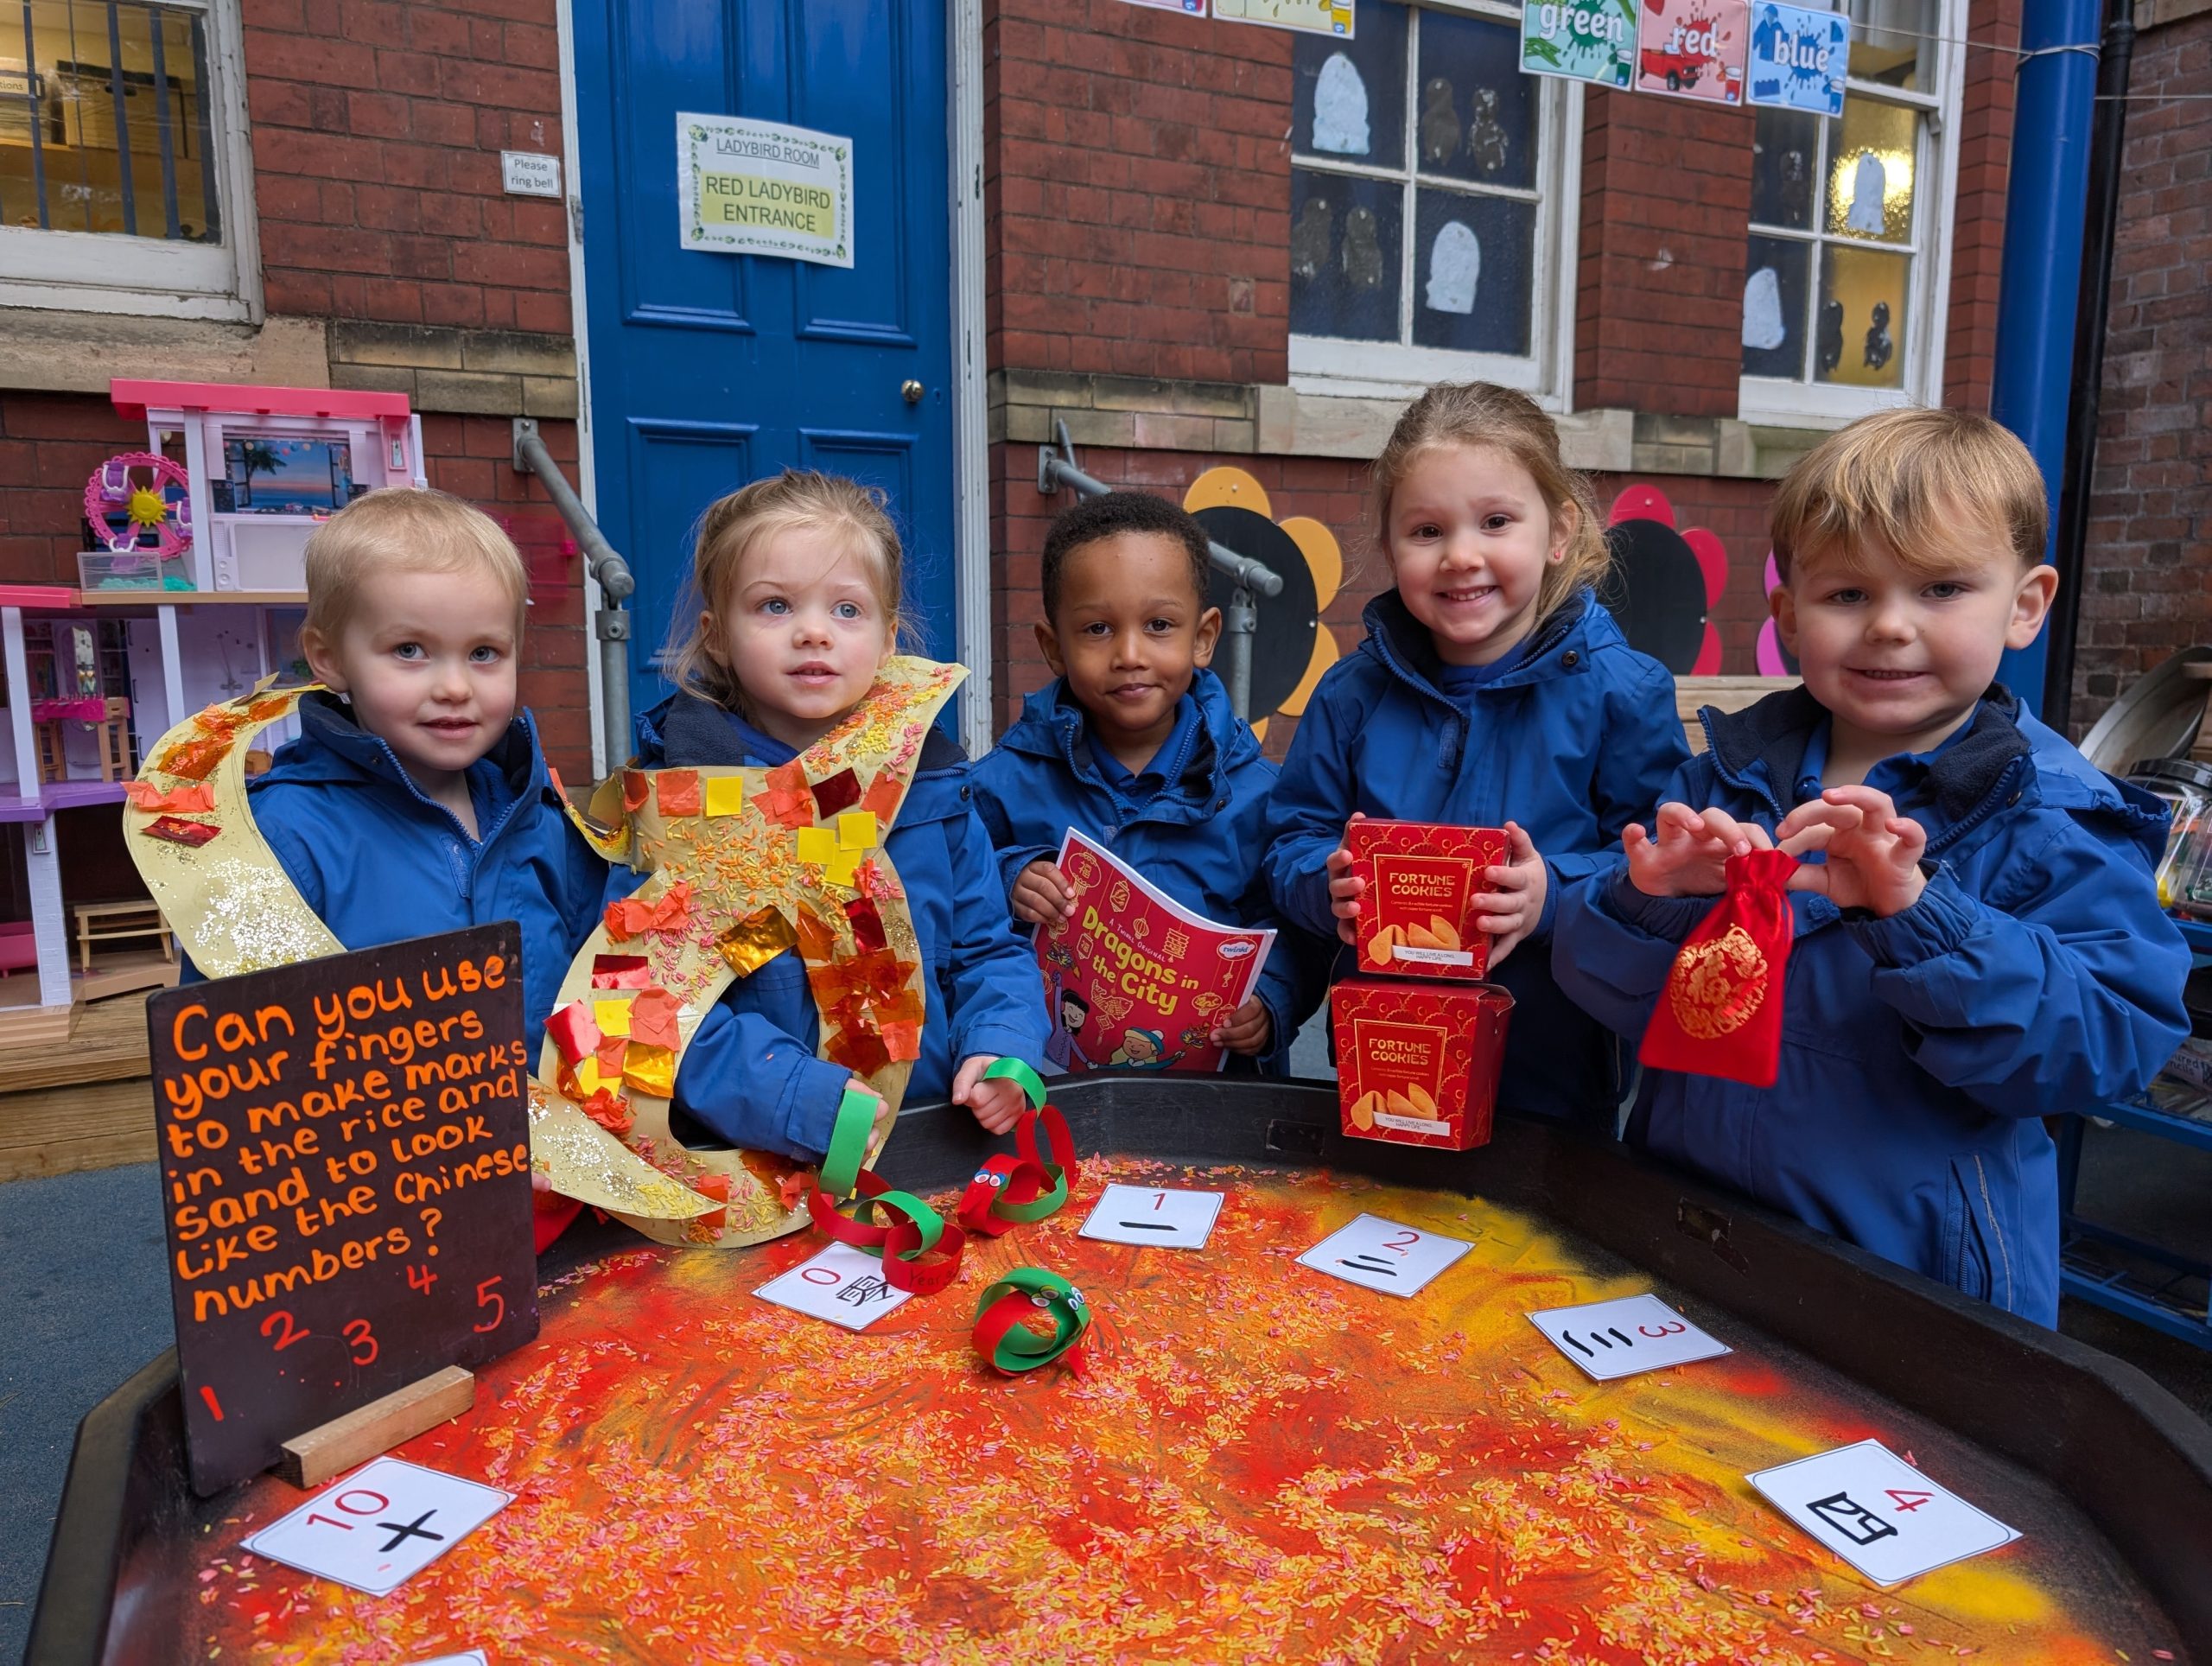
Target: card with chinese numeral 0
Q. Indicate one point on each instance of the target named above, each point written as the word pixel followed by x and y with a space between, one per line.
pixel 843 1285
pixel 1879 1513
pixel 1385 1255
pixel 1622 1336
pixel 380 1526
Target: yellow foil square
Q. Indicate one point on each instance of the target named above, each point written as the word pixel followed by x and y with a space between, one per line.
pixel 816 845
pixel 856 831
pixel 588 1080
pixel 650 1069
pixel 613 1016
pixel 725 795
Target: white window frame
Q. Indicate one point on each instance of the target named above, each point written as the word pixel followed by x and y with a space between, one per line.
pixel 1399 370
pixel 148 276
pixel 1767 399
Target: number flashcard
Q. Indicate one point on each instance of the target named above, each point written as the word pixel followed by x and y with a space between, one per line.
pixel 1146 1214
pixel 1879 1513
pixel 843 1285
pixel 1385 1255
pixel 1621 1338
pixel 381 1526
pixel 473 1657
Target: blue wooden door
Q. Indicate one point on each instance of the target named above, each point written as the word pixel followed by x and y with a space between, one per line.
pixel 706 371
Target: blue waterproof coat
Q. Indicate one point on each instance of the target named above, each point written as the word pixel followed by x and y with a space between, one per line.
pixel 1198 839
pixel 750 1076
pixel 379 861
pixel 2035 975
pixel 1574 743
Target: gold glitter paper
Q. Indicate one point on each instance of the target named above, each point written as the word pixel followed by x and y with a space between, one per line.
pixel 756 940
pixel 584 1161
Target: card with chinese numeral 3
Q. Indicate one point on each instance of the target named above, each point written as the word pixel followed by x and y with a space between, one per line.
pixel 1879 1513
pixel 380 1526
pixel 1624 1336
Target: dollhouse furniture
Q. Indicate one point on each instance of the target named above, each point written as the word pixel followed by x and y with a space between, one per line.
pixel 18 946
pixel 109 714
pixel 112 922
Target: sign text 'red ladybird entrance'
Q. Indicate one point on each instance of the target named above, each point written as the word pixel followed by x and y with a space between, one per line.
pixel 345 1161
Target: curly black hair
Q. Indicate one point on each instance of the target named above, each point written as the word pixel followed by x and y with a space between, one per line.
pixel 1093 519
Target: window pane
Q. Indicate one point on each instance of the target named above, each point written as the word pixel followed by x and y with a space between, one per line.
pixel 1476 115
pixel 1348 98
pixel 107 129
pixel 1343 255
pixel 1860 339
pixel 1473 258
pixel 1775 271
pixel 1871 164
pixel 1890 42
pixel 1785 150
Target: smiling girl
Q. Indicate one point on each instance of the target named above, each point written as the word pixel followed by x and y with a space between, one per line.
pixel 1493 691
pixel 797 586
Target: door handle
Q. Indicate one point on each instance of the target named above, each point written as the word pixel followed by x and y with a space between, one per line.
pixel 912 391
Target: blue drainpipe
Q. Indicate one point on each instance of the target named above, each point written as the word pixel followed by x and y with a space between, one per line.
pixel 2041 278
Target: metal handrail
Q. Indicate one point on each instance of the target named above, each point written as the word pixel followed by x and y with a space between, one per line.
pixel 611 623
pixel 1056 468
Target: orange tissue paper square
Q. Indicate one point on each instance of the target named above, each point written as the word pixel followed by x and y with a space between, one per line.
pixel 1418 1064
pixel 1417 916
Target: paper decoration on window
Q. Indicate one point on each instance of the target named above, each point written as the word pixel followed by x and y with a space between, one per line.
pixel 1763 329
pixel 1693 47
pixel 1440 123
pixel 1340 108
pixel 1309 238
pixel 1870 181
pixel 1488 143
pixel 1308 17
pixel 1827 341
pixel 1363 255
pixel 1797 60
pixel 1580 40
pixel 1455 266
pixel 1879 347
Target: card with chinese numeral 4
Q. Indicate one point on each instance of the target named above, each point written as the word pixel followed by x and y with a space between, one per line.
pixel 380 1526
pixel 1879 1513
pixel 1625 1335
pixel 843 1285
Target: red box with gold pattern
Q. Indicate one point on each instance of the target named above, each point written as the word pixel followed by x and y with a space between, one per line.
pixel 1417 916
pixel 1417 1063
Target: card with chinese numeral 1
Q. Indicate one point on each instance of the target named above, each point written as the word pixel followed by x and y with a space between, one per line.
pixel 380 1526
pixel 842 1285
pixel 1879 1513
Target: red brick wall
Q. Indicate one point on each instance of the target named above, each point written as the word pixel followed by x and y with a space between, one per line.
pixel 1978 221
pixel 377 133
pixel 1136 192
pixel 1333 492
pixel 50 442
pixel 2148 582
pixel 1665 209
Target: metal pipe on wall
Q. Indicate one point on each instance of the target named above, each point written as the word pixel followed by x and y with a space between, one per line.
pixel 611 623
pixel 2108 153
pixel 2041 274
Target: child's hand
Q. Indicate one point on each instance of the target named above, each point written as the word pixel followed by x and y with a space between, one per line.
pixel 1041 896
pixel 1344 890
pixel 1246 1029
pixel 998 1105
pixel 1874 853
pixel 884 1115
pixel 1690 857
pixel 1514 902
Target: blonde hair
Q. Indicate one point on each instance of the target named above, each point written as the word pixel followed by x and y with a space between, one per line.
pixel 1483 414
pixel 405 530
pixel 1907 477
pixel 731 529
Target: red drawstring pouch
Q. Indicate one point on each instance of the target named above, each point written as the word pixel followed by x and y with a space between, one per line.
pixel 1720 1014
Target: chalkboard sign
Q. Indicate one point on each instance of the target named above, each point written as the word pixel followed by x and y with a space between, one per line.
pixel 345 1165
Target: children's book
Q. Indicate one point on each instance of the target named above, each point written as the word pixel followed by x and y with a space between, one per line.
pixel 1135 979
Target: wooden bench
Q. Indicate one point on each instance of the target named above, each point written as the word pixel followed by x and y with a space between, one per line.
pixel 1728 693
pixel 118 921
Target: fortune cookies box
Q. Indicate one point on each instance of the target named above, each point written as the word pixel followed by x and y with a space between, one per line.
pixel 1417 915
pixel 1417 1064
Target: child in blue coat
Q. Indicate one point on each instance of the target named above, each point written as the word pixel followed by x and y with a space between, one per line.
pixel 1979 943
pixel 1133 744
pixel 415 800
pixel 798 579
pixel 1493 691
